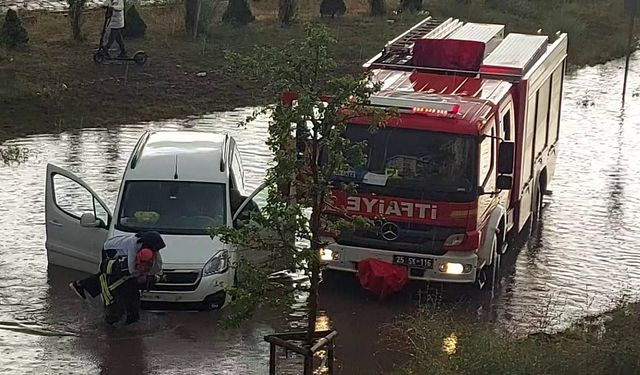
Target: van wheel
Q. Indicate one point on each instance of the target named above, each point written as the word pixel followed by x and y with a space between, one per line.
pixel 213 302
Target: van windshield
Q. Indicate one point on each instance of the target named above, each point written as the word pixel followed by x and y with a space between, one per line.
pixel 410 162
pixel 172 207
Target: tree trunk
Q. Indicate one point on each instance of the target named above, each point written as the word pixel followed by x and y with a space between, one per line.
pixel 316 213
pixel 287 11
pixel 315 274
pixel 75 12
pixel 190 14
pixel 313 289
pixel 377 8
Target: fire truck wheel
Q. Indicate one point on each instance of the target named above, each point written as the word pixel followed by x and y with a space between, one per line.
pixel 332 277
pixel 493 271
pixel 537 209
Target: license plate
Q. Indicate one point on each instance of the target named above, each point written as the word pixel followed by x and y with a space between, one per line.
pixel 413 262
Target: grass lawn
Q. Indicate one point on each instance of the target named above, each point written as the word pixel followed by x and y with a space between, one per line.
pixel 55 86
pixel 441 345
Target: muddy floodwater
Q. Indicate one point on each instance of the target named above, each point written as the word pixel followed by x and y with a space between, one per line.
pixel 584 259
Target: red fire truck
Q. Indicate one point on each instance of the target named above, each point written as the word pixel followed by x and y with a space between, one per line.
pixel 468 158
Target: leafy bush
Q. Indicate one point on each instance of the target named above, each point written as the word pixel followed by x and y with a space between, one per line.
pixel 12 34
pixel 411 5
pixel 332 8
pixel 238 13
pixel 13 154
pixel 134 25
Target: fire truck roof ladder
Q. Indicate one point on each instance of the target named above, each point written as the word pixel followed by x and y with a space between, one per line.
pixel 506 58
pixel 398 50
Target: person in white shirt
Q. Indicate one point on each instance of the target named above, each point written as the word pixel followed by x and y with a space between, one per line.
pixel 115 26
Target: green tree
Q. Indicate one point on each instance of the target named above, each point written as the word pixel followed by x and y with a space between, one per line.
pixel 12 34
pixel 309 150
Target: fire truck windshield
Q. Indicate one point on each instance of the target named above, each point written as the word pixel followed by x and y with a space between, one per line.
pixel 414 160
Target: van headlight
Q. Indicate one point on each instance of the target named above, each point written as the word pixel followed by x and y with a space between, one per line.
pixel 327 255
pixel 217 264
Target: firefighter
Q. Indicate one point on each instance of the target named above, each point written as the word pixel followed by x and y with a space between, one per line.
pixel 128 262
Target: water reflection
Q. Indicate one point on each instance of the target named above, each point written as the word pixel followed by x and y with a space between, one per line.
pixel 581 261
pixel 583 257
pixel 450 344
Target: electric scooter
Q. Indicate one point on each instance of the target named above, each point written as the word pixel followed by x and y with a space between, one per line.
pixel 100 56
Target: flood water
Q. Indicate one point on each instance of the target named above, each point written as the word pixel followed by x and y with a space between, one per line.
pixel 584 259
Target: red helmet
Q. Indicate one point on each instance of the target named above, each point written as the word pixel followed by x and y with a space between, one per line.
pixel 144 260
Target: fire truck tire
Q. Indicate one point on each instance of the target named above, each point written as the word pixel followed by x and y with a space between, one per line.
pixel 537 209
pixel 493 272
pixel 332 277
pixel 488 278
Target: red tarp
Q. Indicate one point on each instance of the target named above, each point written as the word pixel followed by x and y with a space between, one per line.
pixel 448 54
pixel 380 277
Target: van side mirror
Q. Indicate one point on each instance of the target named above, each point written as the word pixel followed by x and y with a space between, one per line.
pixel 506 154
pixel 504 182
pixel 87 220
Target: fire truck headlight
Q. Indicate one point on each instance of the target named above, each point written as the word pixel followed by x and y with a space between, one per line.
pixel 455 268
pixel 455 239
pixel 327 255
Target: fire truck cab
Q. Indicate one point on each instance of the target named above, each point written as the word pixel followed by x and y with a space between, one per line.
pixel 467 159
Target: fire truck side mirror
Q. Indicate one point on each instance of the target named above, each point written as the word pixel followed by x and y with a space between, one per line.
pixel 504 182
pixel 506 154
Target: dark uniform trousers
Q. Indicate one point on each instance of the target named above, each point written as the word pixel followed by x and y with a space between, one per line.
pixel 120 292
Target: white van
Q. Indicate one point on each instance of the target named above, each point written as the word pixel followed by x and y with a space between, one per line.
pixel 178 183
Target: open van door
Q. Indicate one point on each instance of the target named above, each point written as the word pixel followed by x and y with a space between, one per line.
pixel 256 201
pixel 77 221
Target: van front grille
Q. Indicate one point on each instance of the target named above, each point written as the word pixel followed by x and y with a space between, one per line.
pixel 172 281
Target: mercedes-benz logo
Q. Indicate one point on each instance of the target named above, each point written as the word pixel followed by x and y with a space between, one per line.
pixel 389 231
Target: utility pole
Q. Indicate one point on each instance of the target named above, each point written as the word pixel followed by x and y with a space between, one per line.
pixel 631 8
